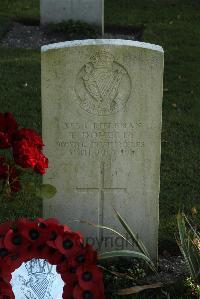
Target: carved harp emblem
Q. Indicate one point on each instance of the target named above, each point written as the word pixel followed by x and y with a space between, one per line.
pixel 103 86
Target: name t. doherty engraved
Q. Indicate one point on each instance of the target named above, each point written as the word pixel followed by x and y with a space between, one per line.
pixel 101 139
pixel 103 86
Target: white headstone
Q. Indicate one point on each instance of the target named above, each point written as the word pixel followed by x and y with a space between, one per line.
pixel 102 103
pixel 57 11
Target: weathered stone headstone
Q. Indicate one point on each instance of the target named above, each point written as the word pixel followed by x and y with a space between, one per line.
pixel 101 102
pixel 57 11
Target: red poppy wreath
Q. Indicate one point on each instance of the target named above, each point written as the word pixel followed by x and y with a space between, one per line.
pixel 24 240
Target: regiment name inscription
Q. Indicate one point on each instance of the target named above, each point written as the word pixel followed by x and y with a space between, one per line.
pixel 100 139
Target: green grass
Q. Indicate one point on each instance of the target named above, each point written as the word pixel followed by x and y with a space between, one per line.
pixel 20 93
pixel 174 24
pixel 25 11
pixel 20 10
pixel 20 85
pixel 5 25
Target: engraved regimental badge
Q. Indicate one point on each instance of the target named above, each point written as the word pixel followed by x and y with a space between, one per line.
pixel 103 86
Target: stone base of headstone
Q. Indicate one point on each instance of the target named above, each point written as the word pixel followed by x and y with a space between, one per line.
pixel 89 11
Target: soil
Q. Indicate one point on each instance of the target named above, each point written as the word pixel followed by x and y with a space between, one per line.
pixel 171 270
pixel 33 37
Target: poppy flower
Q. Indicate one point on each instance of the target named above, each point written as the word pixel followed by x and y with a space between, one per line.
pixel 63 266
pixel 8 126
pixel 13 240
pixel 95 293
pixel 31 231
pixel 4 227
pixel 6 291
pixel 41 251
pixel 54 256
pixel 54 229
pixel 11 263
pixel 86 255
pixel 24 240
pixel 68 291
pixel 54 232
pixel 69 243
pixel 47 222
pixel 70 278
pixel 53 222
pixel 30 135
pixel 89 276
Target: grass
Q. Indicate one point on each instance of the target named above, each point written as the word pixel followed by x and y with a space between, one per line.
pixel 20 93
pixel 26 11
pixel 5 25
pixel 174 24
pixel 20 85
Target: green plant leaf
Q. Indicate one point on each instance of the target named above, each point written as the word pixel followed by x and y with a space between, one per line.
pixel 29 187
pixel 137 289
pixel 46 191
pixel 109 229
pixel 129 254
pixel 133 237
pixel 189 249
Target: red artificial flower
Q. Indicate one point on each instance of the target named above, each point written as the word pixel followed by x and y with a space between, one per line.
pixel 8 126
pixel 47 222
pixel 54 257
pixel 63 266
pixel 6 291
pixel 95 293
pixel 27 155
pixel 42 251
pixel 4 228
pixel 86 255
pixel 69 243
pixel 24 240
pixel 89 276
pixel 68 291
pixel 13 240
pixel 54 232
pixel 11 263
pixel 70 276
pixel 32 232
pixel 54 229
pixel 30 135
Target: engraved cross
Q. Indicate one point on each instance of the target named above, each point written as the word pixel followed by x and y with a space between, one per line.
pixel 101 190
